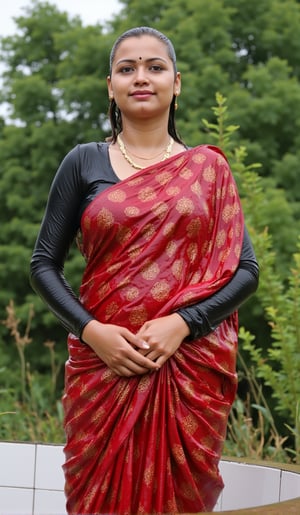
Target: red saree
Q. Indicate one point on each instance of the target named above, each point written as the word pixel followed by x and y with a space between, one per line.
pixel 166 237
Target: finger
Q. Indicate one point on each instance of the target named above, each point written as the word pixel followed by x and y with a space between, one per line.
pixel 135 340
pixel 130 369
pixel 152 354
pixel 161 360
pixel 142 361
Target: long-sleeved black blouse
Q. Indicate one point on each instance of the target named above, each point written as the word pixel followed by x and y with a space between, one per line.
pixel 84 173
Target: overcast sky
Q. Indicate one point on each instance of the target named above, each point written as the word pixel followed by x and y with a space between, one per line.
pixel 90 11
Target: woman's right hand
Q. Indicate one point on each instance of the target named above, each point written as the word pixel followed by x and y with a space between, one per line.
pixel 115 345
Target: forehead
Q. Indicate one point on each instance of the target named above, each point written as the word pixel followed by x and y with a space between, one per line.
pixel 145 47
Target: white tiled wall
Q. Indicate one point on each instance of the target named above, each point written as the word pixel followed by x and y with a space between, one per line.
pixel 31 482
pixel 31 479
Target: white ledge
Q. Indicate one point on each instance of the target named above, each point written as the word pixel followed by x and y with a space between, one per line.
pixel 32 482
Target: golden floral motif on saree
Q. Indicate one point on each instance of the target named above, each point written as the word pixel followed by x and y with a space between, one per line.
pixel 189 491
pixel 186 297
pixel 185 206
pixel 177 268
pixel 125 281
pixel 190 424
pixel 117 195
pixel 131 211
pixel 115 267
pixel 111 309
pixel 160 209
pixel 144 383
pixel 87 223
pixel 146 194
pixel 221 193
pixel 195 278
pixel 189 389
pixel 204 248
pixel 134 251
pixel 103 290
pixel 209 440
pixel 169 229
pixel 123 235
pixel 199 454
pixel 208 275
pixel 237 250
pixel 132 293
pixel 104 485
pixel 229 212
pixel 122 392
pixel 149 474
pixel 150 271
pixel 192 252
pixel 79 436
pixel 179 161
pixel 209 174
pixel 231 190
pixel 105 218
pixel 221 238
pixel 173 191
pixel 135 181
pixel 186 173
pixel 178 454
pixel 193 228
pixel 138 316
pixel 98 416
pixel 160 290
pixel 171 248
pixel 164 177
pixel 224 254
pixel 148 231
pixel 221 161
pixel 196 188
pixel 199 158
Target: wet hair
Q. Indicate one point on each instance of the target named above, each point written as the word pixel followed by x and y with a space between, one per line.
pixel 114 112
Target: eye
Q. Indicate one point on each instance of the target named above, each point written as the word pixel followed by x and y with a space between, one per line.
pixel 156 68
pixel 126 69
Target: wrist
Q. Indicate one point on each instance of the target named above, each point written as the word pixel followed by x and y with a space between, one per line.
pixel 89 331
pixel 181 325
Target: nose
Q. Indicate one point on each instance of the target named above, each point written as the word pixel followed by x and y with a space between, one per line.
pixel 141 76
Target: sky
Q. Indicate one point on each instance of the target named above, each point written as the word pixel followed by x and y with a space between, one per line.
pixel 90 11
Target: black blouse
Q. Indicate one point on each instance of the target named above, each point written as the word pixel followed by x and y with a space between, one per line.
pixel 83 174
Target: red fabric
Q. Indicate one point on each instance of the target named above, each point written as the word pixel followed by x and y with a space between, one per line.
pixel 168 236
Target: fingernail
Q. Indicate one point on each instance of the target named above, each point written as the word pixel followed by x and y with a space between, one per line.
pixel 145 345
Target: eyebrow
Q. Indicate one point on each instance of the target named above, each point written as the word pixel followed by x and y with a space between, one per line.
pixel 147 60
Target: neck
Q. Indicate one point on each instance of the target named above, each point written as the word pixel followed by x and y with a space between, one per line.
pixel 144 135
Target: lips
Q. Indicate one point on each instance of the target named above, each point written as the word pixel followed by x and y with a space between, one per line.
pixel 143 93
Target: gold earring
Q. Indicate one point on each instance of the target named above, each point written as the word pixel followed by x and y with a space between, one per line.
pixel 176 103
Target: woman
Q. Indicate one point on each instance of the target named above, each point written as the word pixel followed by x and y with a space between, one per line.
pixel 151 376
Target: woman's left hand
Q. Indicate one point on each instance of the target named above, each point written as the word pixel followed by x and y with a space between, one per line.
pixel 164 335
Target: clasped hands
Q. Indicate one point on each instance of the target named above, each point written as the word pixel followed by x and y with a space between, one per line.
pixel 128 354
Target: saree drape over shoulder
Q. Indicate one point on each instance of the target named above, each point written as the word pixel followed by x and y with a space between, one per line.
pixel 169 236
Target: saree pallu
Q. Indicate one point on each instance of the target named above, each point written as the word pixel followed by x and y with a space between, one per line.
pixel 167 237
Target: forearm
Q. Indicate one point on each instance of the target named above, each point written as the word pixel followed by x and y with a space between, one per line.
pixel 55 291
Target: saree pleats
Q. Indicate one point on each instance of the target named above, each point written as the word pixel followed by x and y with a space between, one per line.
pixel 151 444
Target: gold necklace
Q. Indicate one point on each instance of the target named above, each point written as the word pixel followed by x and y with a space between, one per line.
pixel 139 167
